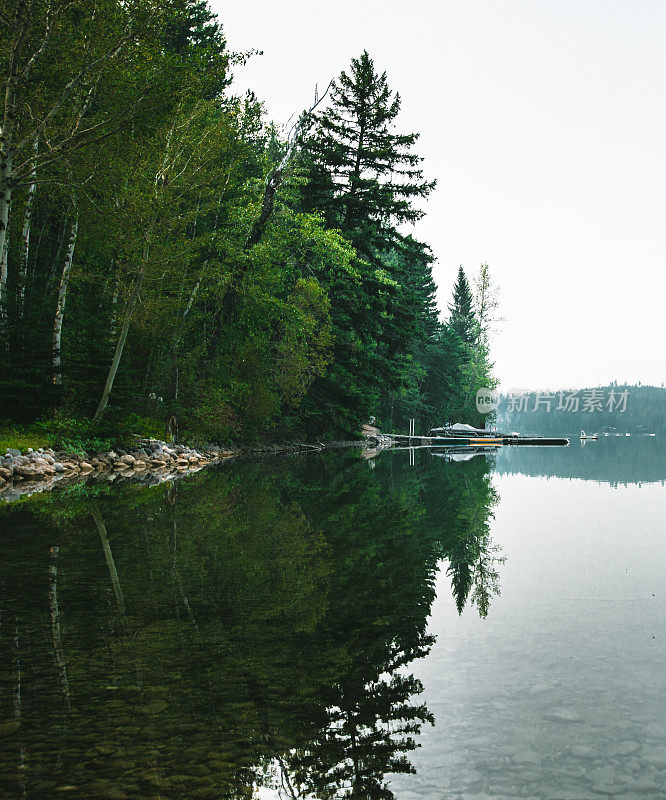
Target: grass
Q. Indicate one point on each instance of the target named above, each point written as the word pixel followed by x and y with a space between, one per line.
pixel 77 434
pixel 19 439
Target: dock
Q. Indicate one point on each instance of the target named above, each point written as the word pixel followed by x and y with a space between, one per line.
pixel 477 441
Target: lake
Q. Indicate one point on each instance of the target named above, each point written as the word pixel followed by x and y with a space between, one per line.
pixel 332 625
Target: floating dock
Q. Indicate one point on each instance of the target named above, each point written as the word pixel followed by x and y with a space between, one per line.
pixel 478 441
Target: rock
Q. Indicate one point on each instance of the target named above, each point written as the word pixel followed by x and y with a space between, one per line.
pixel 8 728
pixel 563 715
pixel 5 473
pixel 12 452
pixel 140 464
pixel 127 459
pixel 58 467
pixel 582 751
pixel 656 756
pixel 155 707
pixel 85 466
pixel 30 450
pixel 625 748
pixel 29 472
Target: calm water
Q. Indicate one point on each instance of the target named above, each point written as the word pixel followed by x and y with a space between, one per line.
pixel 328 626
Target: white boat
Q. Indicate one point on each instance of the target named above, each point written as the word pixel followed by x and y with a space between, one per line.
pixel 584 435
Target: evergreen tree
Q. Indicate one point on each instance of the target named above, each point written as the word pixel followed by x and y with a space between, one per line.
pixel 462 320
pixel 363 175
pixel 364 178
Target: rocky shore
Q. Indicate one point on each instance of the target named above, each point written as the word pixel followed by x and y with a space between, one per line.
pixel 150 461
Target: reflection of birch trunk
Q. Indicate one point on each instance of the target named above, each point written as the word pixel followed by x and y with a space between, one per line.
pixel 108 555
pixel 18 709
pixel 175 572
pixel 24 251
pixel 62 296
pixel 54 610
pixel 17 672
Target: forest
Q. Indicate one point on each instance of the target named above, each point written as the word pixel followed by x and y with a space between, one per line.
pixel 616 408
pixel 167 251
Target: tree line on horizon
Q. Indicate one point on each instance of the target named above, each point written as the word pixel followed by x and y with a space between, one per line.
pixel 167 252
pixel 614 408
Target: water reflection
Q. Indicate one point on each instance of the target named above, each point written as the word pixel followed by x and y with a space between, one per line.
pixel 612 460
pixel 248 626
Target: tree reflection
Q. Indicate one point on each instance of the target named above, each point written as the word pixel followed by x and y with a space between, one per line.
pixel 262 615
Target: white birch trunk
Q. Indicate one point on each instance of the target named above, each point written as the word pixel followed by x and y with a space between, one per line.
pixel 27 219
pixel 6 174
pixel 62 298
pixel 113 323
pixel 120 344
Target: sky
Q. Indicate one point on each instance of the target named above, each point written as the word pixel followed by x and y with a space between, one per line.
pixel 544 124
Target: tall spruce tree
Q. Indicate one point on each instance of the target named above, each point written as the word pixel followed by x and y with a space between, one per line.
pixel 365 178
pixel 463 320
pixel 363 175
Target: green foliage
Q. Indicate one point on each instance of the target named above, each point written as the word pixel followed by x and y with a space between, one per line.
pixel 265 287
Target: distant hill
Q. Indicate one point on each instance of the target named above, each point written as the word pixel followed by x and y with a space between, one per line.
pixel 620 408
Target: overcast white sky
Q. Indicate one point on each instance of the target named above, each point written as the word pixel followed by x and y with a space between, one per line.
pixel 544 124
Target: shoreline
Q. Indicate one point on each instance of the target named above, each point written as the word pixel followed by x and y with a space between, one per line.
pixel 149 462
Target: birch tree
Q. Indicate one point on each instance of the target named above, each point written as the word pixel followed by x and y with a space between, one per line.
pixel 27 221
pixel 35 32
pixel 62 294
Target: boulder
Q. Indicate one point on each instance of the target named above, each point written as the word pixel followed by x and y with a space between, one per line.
pixel 12 452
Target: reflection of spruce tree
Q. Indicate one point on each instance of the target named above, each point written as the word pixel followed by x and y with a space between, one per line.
pixel 472 556
pixel 457 502
pixel 380 597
